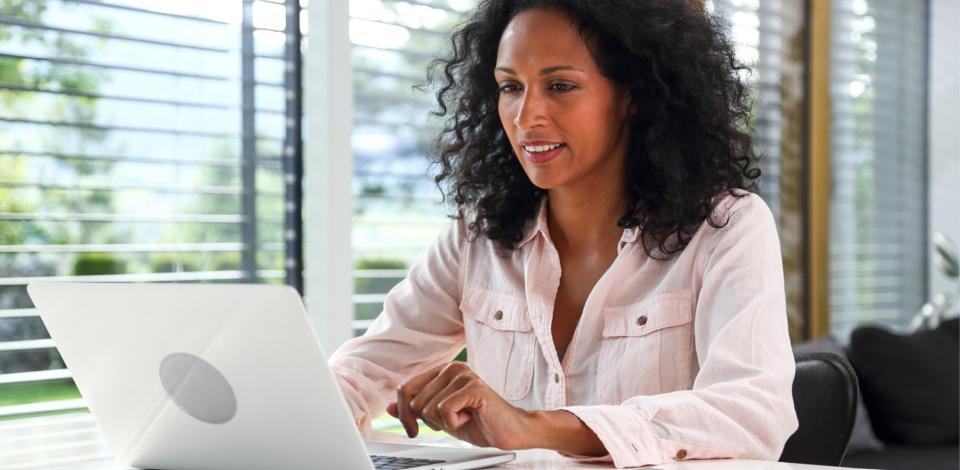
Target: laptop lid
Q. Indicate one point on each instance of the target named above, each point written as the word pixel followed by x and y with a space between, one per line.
pixel 202 375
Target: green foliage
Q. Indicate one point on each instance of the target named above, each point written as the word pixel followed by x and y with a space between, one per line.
pixel 226 262
pixel 387 423
pixel 18 394
pixel 213 176
pixel 379 263
pixel 14 168
pixel 376 285
pixel 373 190
pixel 26 10
pixel 10 71
pixel 92 264
pixel 167 263
pixel 11 68
pixel 82 110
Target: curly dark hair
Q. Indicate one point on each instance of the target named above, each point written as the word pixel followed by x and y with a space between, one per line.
pixel 688 147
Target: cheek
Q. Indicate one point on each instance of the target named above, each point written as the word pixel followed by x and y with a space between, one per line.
pixel 504 110
pixel 594 113
pixel 600 121
pixel 506 121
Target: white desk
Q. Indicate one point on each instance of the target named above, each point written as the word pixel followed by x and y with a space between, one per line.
pixel 73 442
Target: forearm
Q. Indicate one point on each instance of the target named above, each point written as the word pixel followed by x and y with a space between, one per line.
pixel 562 431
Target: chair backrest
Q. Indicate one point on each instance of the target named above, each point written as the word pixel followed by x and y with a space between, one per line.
pixel 825 397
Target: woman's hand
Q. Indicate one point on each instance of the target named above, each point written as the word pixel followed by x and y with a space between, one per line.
pixel 454 399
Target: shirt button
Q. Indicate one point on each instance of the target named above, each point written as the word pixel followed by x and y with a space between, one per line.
pixel 681 454
pixel 642 320
pixel 556 378
pixel 498 315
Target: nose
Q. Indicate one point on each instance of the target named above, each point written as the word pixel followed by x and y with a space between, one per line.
pixel 531 112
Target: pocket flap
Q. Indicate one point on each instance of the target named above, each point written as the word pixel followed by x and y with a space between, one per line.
pixel 655 312
pixel 498 311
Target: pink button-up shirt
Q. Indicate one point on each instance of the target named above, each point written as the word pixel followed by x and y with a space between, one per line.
pixel 687 358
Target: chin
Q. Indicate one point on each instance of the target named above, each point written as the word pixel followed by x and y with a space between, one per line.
pixel 544 182
pixel 548 177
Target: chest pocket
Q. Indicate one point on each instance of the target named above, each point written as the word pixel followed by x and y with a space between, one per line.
pixel 500 340
pixel 647 347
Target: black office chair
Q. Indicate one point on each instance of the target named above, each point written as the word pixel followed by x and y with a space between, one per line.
pixel 825 397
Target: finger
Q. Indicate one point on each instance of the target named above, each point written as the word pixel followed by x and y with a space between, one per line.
pixel 430 391
pixel 392 410
pixel 405 393
pixel 460 407
pixel 430 412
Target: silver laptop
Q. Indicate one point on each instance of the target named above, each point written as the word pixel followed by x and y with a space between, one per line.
pixel 187 376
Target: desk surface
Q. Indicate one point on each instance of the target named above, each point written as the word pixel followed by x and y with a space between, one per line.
pixel 72 441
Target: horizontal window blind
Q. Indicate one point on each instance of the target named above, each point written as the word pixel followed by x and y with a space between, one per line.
pixel 396 203
pixel 768 37
pixel 755 29
pixel 878 161
pixel 139 141
pixel 394 40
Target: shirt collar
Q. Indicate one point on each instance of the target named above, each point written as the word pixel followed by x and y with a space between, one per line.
pixel 630 235
pixel 539 226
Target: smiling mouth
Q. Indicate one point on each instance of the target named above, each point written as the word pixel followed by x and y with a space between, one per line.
pixel 541 148
pixel 542 153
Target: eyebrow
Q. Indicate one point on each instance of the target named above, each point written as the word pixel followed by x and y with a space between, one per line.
pixel 543 71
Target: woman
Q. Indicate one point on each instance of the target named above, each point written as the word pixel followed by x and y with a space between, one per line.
pixel 617 286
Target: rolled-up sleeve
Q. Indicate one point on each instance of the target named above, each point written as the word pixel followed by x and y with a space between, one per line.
pixel 420 327
pixel 741 402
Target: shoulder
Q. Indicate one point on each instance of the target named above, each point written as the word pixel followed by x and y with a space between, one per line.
pixel 457 230
pixel 740 208
pixel 449 240
pixel 741 222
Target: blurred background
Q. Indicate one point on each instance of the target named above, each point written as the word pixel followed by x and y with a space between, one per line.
pixel 221 141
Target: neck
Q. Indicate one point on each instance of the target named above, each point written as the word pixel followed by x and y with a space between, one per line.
pixel 581 221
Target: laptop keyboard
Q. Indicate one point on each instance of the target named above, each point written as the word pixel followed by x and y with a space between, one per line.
pixel 386 462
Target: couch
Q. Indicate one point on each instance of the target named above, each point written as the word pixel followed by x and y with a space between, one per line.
pixel 909 415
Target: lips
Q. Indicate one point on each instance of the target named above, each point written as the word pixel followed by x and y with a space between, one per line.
pixel 541 151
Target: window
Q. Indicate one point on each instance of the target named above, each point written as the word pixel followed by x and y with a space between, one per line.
pixel 878 162
pixel 396 211
pixel 396 203
pixel 768 37
pixel 139 141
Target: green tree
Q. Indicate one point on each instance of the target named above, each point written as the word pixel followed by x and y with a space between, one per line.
pixel 34 90
pixel 19 78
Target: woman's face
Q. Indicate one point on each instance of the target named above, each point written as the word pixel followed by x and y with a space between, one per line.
pixel 565 120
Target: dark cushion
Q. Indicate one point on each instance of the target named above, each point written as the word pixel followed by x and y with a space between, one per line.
pixel 825 399
pixel 896 457
pixel 862 439
pixel 910 383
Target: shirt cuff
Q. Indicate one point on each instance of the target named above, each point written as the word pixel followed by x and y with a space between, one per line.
pixel 624 433
pixel 353 400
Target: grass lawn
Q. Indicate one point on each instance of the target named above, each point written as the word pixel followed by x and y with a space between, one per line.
pixel 394 426
pixel 19 394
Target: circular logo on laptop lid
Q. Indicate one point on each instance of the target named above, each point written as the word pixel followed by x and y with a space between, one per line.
pixel 198 388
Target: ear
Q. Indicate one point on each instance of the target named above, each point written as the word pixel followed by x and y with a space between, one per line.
pixel 629 107
pixel 633 108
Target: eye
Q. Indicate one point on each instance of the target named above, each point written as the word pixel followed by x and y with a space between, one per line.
pixel 562 87
pixel 508 87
